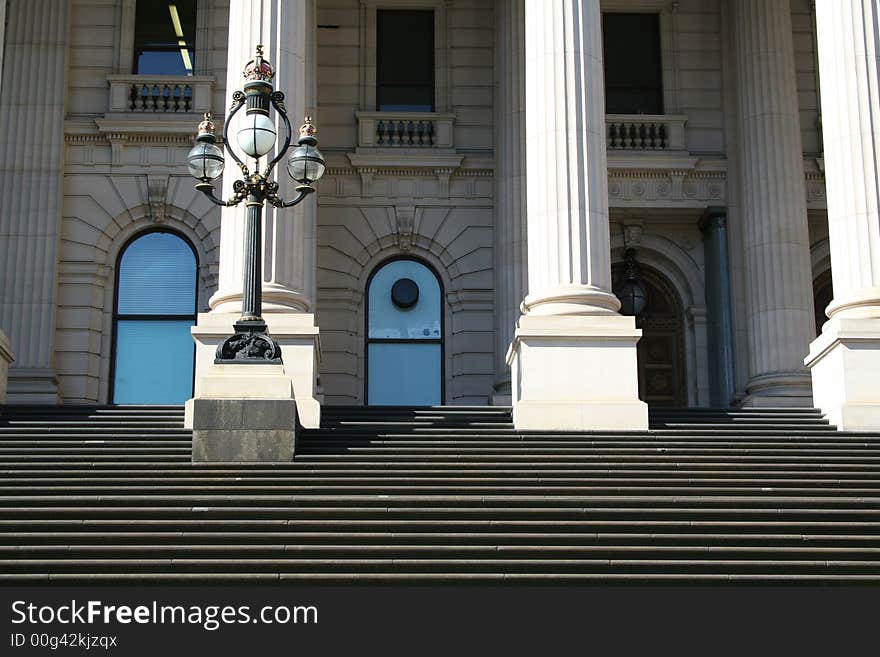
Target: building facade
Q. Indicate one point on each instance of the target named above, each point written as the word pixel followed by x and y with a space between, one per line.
pixel 601 204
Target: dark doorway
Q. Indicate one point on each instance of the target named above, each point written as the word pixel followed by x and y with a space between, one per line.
pixel 661 353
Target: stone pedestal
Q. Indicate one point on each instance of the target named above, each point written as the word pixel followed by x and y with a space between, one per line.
pixel 574 373
pixel 845 365
pixel 243 413
pixel 297 336
pixel 6 357
pixel 845 359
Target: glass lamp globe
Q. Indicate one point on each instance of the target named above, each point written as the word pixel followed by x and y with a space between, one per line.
pixel 632 299
pixel 205 161
pixel 306 164
pixel 256 135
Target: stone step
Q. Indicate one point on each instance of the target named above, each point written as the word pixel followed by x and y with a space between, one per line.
pixel 592 527
pixel 224 491
pixel 220 539
pixel 440 494
pixel 867 556
pixel 499 566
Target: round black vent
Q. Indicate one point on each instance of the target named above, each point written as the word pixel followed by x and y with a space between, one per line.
pixel 405 293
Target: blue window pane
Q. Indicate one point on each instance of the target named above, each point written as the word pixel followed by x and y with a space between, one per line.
pixel 154 362
pixel 404 374
pixel 165 63
pixel 157 276
pixel 421 321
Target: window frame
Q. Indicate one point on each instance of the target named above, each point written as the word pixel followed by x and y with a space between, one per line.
pixel 369 44
pixel 368 340
pixel 668 14
pixel 429 81
pixel 125 38
pixel 115 315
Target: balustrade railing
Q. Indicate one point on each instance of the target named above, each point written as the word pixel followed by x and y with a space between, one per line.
pixel 405 130
pixel 639 132
pixel 160 94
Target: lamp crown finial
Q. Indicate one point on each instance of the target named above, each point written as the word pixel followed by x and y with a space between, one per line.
pixel 259 67
pixel 206 127
pixel 307 129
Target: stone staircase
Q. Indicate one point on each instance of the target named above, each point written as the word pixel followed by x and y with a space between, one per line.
pixel 448 494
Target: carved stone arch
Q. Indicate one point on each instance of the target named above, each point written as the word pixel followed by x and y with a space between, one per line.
pixel 672 261
pixel 138 219
pixel 425 248
pixel 687 281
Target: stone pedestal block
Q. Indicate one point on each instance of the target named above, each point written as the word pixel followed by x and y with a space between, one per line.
pixel 576 373
pixel 297 335
pixel 236 430
pixel 6 357
pixel 845 365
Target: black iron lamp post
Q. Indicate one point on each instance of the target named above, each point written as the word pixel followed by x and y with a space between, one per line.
pixel 633 298
pixel 251 342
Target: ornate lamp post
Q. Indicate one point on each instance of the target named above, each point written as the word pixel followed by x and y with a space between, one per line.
pixel 251 342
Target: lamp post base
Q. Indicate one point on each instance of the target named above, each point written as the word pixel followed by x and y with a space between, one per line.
pixel 250 344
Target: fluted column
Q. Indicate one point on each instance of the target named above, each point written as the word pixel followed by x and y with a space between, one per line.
pixel 510 183
pixel 31 160
pixel 286 31
pixel 774 212
pixel 573 356
pixel 569 248
pixel 713 224
pixel 845 358
pixel 6 357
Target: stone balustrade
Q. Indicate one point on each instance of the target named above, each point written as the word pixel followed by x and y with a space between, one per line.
pixel 405 130
pixel 160 93
pixel 645 132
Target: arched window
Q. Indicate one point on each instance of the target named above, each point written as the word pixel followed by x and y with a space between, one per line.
pixel 404 336
pixel 154 353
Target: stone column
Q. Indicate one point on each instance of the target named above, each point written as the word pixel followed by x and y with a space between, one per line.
pixel 6 357
pixel 774 213
pixel 286 30
pixel 31 162
pixel 510 187
pixel 719 306
pixel 845 359
pixel 573 356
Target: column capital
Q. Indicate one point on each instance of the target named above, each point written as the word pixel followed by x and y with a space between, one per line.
pixel 713 218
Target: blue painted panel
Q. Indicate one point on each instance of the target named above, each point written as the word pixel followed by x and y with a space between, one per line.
pixel 404 374
pixel 157 276
pixel 421 321
pixel 154 362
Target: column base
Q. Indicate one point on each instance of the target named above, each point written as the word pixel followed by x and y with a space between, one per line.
pixel 576 373
pixel 844 362
pixel 785 390
pixel 298 338
pixel 32 385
